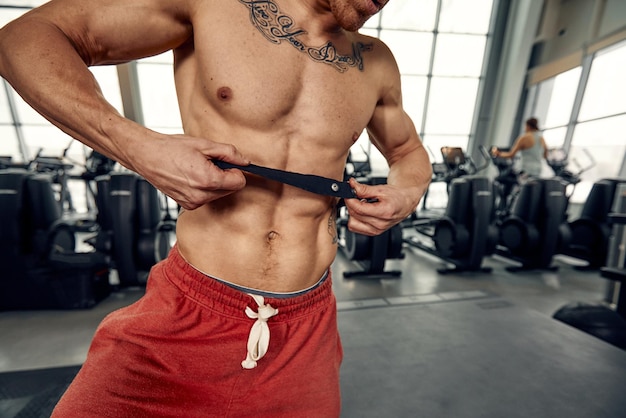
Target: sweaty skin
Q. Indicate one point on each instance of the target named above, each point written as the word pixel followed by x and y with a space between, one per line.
pixel 283 84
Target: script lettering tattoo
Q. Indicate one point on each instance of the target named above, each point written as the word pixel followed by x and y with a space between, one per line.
pixel 277 27
pixel 332 225
pixel 328 54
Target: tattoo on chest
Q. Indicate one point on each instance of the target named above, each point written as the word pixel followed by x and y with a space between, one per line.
pixel 278 27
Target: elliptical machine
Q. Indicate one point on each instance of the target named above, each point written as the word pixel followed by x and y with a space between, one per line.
pixel 465 234
pixel 536 227
pixel 441 173
pixel 505 184
pixel 135 228
pixel 41 267
pixel 590 233
pixel 558 160
pixel 606 320
pixel 369 253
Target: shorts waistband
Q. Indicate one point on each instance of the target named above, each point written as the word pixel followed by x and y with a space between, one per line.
pixel 269 295
pixel 228 300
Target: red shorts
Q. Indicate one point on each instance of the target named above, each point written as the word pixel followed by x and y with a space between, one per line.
pixel 178 352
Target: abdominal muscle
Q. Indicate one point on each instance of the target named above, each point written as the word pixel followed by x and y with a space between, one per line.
pixel 266 241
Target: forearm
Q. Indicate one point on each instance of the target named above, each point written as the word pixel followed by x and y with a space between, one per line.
pixel 411 171
pixel 43 66
pixel 409 175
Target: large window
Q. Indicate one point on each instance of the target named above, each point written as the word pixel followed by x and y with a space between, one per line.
pixel 585 113
pixel 606 87
pixel 158 93
pixel 601 121
pixel 439 46
pixel 9 134
pixel 42 137
pixel 551 101
pixel 604 140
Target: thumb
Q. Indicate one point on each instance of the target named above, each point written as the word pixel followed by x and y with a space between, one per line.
pixel 363 191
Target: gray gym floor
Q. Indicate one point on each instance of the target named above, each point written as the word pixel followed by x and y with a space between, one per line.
pixel 424 344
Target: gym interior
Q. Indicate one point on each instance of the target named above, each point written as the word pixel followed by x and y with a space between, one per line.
pixel 497 298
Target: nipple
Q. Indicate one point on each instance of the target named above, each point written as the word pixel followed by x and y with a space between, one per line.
pixel 355 137
pixel 224 93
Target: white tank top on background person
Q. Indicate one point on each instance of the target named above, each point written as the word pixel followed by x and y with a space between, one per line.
pixel 532 157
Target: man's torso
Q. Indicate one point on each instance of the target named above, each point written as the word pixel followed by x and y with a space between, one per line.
pixel 246 81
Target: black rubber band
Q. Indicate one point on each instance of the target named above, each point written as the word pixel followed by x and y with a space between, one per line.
pixel 309 182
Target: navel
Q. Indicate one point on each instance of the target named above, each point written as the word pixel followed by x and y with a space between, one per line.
pixel 272 235
pixel 224 93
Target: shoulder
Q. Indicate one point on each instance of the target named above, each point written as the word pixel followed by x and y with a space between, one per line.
pixel 380 65
pixel 378 52
pixel 521 143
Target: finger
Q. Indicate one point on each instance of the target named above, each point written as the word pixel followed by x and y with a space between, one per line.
pixel 228 180
pixel 360 208
pixel 200 194
pixel 225 152
pixel 356 225
pixel 369 203
pixel 364 213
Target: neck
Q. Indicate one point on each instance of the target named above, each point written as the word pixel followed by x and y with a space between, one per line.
pixel 318 15
pixel 278 25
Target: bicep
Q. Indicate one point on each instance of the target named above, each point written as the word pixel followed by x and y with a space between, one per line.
pixel 116 31
pixel 390 128
pixel 392 132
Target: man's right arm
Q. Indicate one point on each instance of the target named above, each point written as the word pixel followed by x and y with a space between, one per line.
pixel 45 56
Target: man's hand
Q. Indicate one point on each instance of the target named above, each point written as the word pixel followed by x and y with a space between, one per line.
pixel 180 166
pixel 378 207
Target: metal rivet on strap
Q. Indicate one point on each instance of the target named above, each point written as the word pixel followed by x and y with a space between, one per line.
pixel 335 187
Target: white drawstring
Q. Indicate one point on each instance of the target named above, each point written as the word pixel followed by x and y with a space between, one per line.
pixel 259 338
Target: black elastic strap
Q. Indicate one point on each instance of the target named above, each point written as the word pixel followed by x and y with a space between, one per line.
pixel 309 182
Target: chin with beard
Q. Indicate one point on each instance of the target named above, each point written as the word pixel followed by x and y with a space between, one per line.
pixel 350 16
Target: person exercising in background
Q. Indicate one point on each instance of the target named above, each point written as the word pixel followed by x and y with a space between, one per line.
pixel 531 146
pixel 284 84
